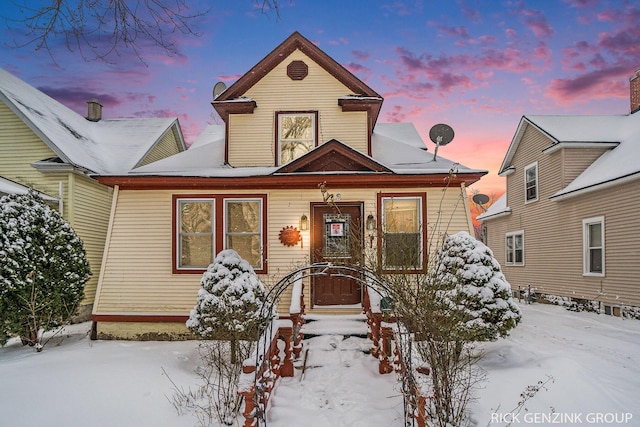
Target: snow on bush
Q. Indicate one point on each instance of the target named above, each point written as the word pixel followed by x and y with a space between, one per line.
pixel 43 268
pixel 230 301
pixel 473 289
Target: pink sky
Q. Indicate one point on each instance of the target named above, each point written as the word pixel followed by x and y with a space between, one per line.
pixel 477 66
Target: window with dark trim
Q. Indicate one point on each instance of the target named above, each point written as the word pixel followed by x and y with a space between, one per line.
pixel 296 135
pixel 403 240
pixel 207 224
pixel 514 248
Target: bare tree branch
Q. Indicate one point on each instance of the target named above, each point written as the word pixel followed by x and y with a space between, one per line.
pixel 99 28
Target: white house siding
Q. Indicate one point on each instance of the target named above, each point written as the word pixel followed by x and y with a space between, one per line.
pixel 19 148
pixel 167 146
pixel 91 205
pixel 553 237
pixel 252 136
pixel 137 276
pixel 138 263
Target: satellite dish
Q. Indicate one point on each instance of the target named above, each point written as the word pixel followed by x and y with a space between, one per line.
pixel 218 89
pixel 440 134
pixel 480 199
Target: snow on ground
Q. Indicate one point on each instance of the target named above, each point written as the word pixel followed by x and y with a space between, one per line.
pixel 594 361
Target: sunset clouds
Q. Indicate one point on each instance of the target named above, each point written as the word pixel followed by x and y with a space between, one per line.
pixel 476 66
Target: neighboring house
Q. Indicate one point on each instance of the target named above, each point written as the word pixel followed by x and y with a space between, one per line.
pixel 568 224
pixel 49 148
pixel 295 121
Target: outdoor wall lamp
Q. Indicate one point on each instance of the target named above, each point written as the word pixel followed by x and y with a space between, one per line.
pixel 304 223
pixel 371 226
pixel 371 223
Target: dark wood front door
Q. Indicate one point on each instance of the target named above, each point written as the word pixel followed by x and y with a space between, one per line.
pixel 336 238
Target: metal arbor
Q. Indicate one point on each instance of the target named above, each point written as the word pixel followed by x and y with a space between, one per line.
pixel 366 278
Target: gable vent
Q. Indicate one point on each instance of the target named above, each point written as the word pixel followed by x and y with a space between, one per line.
pixel 297 70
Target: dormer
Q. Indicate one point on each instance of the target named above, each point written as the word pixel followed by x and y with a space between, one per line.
pixel 292 101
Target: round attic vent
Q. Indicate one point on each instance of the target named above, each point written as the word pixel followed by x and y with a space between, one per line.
pixel 297 70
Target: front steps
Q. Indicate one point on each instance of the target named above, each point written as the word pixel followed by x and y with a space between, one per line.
pixel 345 325
pixel 336 381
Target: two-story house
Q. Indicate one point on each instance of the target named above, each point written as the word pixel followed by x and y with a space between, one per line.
pixel 567 225
pixel 48 148
pixel 300 154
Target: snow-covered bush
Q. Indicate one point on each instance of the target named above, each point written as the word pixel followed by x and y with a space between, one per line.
pixel 43 268
pixel 231 310
pixel 473 290
pixel 230 301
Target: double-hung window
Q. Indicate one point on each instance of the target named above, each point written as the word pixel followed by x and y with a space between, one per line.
pixel 243 229
pixel 196 239
pixel 593 244
pixel 531 182
pixel 403 244
pixel 515 248
pixel 205 225
pixel 297 135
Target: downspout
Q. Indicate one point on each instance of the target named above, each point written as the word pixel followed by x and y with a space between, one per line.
pixel 61 197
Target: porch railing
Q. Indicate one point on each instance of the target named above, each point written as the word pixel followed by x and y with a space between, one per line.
pixel 391 339
pixel 260 373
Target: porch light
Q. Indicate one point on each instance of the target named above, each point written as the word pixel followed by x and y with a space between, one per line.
pixel 304 223
pixel 371 222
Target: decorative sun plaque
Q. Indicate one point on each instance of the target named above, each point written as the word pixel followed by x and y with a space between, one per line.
pixel 289 236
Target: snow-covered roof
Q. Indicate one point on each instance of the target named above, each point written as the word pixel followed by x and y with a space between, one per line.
pixel 498 208
pixel 11 187
pixel 622 132
pixel 397 146
pixel 103 147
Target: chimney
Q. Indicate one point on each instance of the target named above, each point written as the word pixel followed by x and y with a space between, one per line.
pixel 634 85
pixel 94 113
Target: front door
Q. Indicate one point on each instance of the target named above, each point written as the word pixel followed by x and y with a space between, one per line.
pixel 337 238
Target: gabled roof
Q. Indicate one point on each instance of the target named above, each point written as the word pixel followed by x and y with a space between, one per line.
pixel 106 146
pixel 362 96
pixel 497 209
pixel 620 134
pixel 335 157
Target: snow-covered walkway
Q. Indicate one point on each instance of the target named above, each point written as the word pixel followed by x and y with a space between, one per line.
pixel 341 385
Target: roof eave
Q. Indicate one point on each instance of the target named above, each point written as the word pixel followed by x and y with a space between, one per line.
pixel 595 187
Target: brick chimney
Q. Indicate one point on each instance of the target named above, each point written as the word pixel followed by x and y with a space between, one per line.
pixel 94 113
pixel 634 85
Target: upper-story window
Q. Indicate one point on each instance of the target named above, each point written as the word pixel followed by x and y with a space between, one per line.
pixel 297 135
pixel 531 182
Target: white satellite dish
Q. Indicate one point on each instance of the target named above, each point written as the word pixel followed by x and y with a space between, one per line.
pixel 218 89
pixel 440 134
